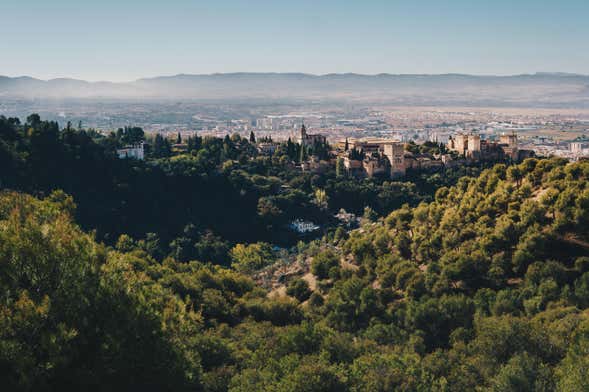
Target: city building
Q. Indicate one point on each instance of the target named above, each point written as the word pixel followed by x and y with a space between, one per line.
pixel 395 152
pixel 474 143
pixel 576 147
pixel 508 139
pixel 473 148
pixel 307 139
pixel 353 167
pixel 303 227
pixel 267 148
pixel 458 143
pixel 135 151
pixel 424 162
pixel 376 166
pixel 510 147
pixel 373 157
pixel 467 145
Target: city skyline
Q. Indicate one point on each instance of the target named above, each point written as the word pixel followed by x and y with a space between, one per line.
pixel 129 40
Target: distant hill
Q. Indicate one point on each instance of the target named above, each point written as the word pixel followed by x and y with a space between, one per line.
pixel 540 89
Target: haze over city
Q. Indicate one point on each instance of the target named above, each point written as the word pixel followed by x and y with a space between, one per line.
pixel 351 68
pixel 131 39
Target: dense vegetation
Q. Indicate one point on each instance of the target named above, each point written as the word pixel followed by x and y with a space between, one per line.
pixel 191 204
pixel 486 287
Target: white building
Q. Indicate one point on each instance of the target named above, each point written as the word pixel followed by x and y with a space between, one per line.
pixel 135 151
pixel 267 148
pixel 577 147
pixel 302 227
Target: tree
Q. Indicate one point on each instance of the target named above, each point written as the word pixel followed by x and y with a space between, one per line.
pixel 131 135
pixel 56 282
pixel 249 258
pixel 572 371
pixel 339 167
pixel 299 289
pixel 290 149
pixel 194 143
pixel 125 243
pixel 321 198
pixel 323 262
pixel 252 137
pixel 523 373
pixel 211 248
pixel 34 120
pixel 369 214
pixel 514 173
pixel 357 155
pixel 312 377
pixel 161 147
pixel 303 154
pixel 268 210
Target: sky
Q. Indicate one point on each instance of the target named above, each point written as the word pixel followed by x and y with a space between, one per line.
pixel 121 40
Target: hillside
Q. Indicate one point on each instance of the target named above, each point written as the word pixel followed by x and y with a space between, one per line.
pixel 486 287
pixel 190 203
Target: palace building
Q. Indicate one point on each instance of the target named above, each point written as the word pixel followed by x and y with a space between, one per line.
pixel 473 148
pixel 306 139
pixel 373 157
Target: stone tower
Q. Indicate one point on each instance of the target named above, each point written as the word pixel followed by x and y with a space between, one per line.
pixel 395 152
pixel 303 136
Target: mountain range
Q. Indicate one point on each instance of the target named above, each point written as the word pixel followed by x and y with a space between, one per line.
pixel 539 89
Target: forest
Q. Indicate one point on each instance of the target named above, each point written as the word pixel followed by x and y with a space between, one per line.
pixel 472 280
pixel 217 193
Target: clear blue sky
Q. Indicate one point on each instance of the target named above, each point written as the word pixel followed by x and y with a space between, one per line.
pixel 127 39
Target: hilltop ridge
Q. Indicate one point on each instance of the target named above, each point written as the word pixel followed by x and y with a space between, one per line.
pixel 539 89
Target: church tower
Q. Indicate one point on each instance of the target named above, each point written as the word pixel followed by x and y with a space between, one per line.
pixel 303 136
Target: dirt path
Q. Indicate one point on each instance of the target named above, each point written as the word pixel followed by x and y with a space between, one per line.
pixel 311 280
pixel 573 240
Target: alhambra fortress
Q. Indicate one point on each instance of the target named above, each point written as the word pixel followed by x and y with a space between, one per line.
pixel 387 158
pixel 390 158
